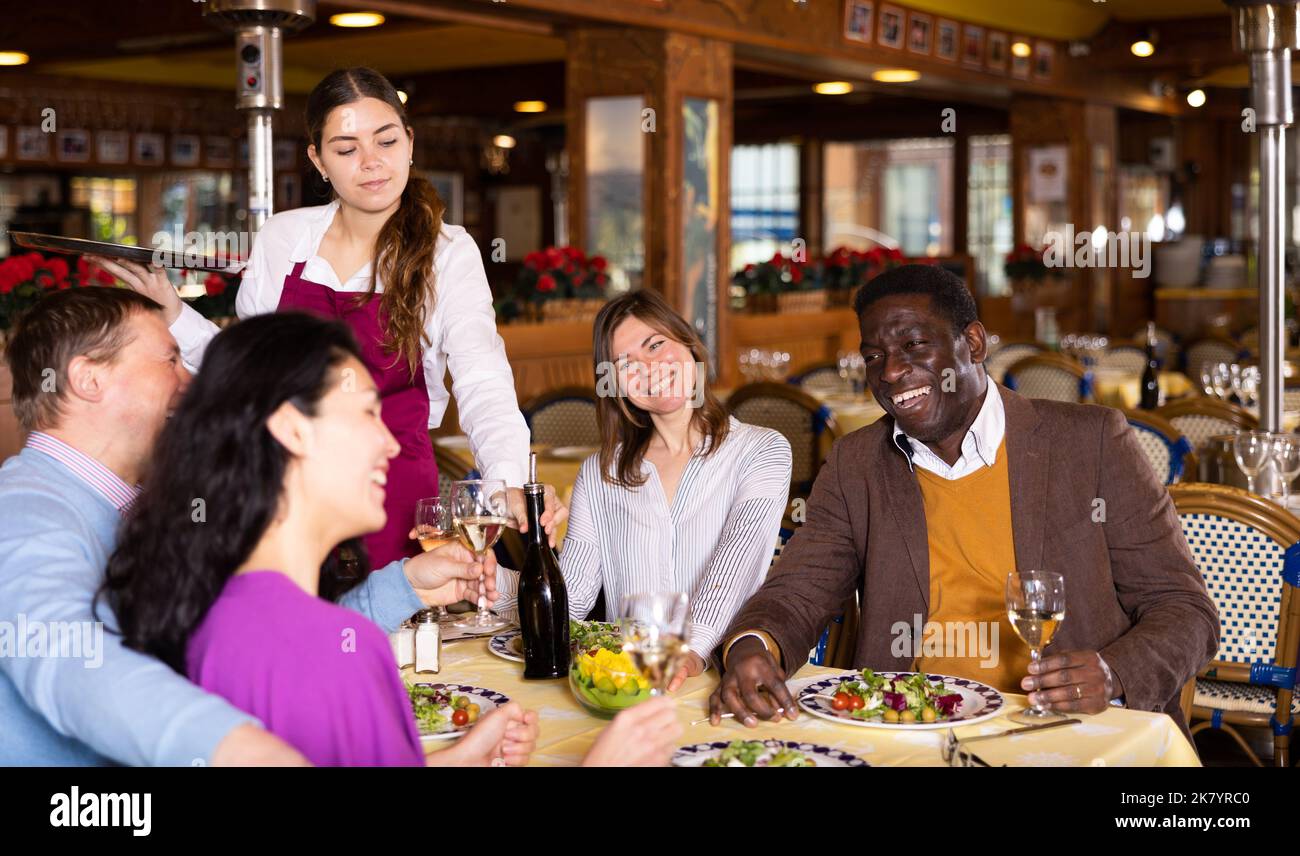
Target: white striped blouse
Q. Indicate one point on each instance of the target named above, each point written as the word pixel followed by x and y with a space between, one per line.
pixel 714 542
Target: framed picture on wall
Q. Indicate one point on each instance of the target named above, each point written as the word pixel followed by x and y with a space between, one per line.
pixel 112 146
pixel 858 18
pixel 33 144
pixel 890 34
pixel 997 52
pixel 219 152
pixel 1020 57
pixel 149 150
pixel 919 33
pixel 73 146
pixel 972 46
pixel 945 40
pixel 1044 60
pixel 284 154
pixel 185 150
pixel 451 188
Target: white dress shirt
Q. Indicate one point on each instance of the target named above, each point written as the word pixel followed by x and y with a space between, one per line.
pixel 461 330
pixel 714 542
pixel 979 448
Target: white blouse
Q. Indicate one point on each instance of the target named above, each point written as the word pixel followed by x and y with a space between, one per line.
pixel 461 330
pixel 714 542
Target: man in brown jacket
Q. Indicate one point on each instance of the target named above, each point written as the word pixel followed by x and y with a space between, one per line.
pixel 1013 484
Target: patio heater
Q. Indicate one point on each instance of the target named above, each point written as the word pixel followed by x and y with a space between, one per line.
pixel 259 27
pixel 1266 32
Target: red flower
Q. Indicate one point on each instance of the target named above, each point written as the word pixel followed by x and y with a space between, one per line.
pixel 601 279
pixel 796 274
pixel 546 282
pixel 749 267
pixel 58 267
pixel 778 259
pixel 573 253
pixel 554 258
pixel 104 277
pixel 534 260
pixel 214 284
pixel 7 280
pixel 599 263
pixel 569 267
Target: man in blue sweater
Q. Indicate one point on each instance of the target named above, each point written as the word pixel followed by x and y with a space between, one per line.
pixel 96 373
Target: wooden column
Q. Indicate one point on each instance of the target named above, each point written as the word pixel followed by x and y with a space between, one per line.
pixel 665 69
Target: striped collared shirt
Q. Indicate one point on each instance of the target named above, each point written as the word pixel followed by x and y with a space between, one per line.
pixel 92 472
pixel 714 542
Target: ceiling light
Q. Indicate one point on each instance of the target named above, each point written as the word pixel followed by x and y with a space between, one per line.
pixel 1021 49
pixel 503 141
pixel 895 75
pixel 1196 98
pixel 357 19
pixel 833 87
pixel 13 58
pixel 530 106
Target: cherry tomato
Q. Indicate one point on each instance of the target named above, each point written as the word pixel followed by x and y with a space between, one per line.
pixel 841 701
pixel 459 718
pixel 857 702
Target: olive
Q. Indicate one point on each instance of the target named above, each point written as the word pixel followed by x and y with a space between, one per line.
pixel 928 715
pixel 907 716
pixel 891 715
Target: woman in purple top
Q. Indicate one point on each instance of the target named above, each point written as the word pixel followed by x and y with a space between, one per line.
pixel 276 455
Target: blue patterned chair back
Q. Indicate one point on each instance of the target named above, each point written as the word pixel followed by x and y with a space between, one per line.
pixel 1052 377
pixel 1211 350
pixel 796 415
pixel 1168 452
pixel 817 656
pixel 1248 553
pixel 821 379
pixel 564 417
pixel 1126 358
pixel 997 363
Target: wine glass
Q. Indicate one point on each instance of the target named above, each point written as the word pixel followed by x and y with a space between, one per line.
pixel 1221 379
pixel 434 526
pixel 480 514
pixel 1286 457
pixel 1036 608
pixel 1250 385
pixel 1207 379
pixel 655 629
pixel 1251 449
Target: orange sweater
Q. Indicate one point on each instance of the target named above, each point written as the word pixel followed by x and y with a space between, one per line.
pixel 968 523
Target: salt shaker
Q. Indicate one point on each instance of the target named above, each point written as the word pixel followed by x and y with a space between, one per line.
pixel 428 641
pixel 404 644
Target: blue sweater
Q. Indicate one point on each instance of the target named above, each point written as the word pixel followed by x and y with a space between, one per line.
pixel 95 701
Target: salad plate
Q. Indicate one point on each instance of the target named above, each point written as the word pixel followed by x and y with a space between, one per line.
pixel 447 711
pixel 508 645
pixel 763 753
pixel 905 701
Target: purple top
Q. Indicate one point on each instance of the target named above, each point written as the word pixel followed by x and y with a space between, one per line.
pixel 319 676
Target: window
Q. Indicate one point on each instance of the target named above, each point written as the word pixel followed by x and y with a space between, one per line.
pixel 891 192
pixel 988 205
pixel 112 207
pixel 764 201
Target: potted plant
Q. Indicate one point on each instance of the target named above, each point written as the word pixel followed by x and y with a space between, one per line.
pixel 561 283
pixel 27 278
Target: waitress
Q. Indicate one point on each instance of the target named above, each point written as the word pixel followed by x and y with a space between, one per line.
pixel 411 287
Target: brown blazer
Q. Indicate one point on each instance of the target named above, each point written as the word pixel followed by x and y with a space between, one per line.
pixel 1132 590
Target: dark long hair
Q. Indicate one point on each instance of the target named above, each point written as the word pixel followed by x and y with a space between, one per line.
pixel 404 249
pixel 217 477
pixel 625 429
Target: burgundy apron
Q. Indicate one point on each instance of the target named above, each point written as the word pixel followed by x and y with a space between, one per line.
pixel 413 474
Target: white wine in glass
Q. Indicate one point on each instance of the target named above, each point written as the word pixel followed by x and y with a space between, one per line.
pixel 1035 607
pixel 655 635
pixel 480 514
pixel 433 523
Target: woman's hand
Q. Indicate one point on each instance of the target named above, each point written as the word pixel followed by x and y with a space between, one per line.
pixel 451 574
pixel 150 281
pixel 503 738
pixel 554 512
pixel 644 735
pixel 692 665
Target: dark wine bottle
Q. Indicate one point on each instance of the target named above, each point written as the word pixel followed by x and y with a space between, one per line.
pixel 543 598
pixel 1151 374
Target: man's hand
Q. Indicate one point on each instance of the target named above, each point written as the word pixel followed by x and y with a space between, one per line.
pixel 150 281
pixel 751 671
pixel 692 665
pixel 554 512
pixel 250 746
pixel 503 738
pixel 451 574
pixel 643 735
pixel 1074 682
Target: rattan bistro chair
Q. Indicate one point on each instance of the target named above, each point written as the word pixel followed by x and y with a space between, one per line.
pixel 1006 355
pixel 808 425
pixel 821 377
pixel 1201 418
pixel 1248 551
pixel 563 417
pixel 1050 376
pixel 1125 358
pixel 1209 350
pixel 1168 451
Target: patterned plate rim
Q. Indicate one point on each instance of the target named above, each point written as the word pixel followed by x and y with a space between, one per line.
pixel 847 758
pixel 500 645
pixel 993 701
pixel 493 696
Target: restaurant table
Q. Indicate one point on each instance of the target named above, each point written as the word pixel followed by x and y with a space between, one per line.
pixel 1116 737
pixel 851 411
pixel 1118 388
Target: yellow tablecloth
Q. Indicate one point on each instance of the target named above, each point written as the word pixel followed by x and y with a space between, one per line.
pixel 1116 737
pixel 1123 389
pixel 851 411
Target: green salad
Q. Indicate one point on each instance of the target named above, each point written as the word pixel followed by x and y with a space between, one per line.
pixel 438 710
pixel 756 753
pixel 903 700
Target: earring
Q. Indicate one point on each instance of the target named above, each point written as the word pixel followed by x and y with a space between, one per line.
pixel 411 162
pixel 325 178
